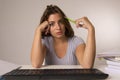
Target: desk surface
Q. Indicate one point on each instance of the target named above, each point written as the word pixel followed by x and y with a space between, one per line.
pixel 113 74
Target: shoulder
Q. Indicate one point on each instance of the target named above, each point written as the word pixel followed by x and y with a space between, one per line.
pixel 47 40
pixel 76 39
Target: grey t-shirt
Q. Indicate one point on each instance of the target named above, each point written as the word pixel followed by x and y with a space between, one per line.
pixel 69 58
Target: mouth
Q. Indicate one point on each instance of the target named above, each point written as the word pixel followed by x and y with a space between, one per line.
pixel 59 33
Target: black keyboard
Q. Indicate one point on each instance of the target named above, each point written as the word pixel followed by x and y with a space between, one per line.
pixel 57 74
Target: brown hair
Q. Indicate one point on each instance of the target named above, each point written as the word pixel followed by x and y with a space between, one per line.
pixel 52 9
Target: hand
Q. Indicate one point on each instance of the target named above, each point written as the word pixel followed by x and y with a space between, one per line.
pixel 43 27
pixel 84 22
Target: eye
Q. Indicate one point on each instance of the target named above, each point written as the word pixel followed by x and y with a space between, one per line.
pixel 51 24
pixel 61 21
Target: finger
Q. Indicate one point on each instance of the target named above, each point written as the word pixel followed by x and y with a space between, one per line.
pixel 45 26
pixel 84 26
pixel 79 22
pixel 47 30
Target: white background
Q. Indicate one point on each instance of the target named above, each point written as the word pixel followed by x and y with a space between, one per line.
pixel 19 18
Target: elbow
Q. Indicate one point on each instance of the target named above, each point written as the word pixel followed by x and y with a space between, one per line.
pixel 87 66
pixel 35 65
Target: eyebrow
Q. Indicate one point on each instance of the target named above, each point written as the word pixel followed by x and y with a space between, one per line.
pixel 54 21
pixel 51 21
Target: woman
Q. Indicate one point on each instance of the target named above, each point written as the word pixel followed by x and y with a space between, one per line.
pixel 55 41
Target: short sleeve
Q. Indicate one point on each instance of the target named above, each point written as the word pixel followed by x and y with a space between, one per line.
pixel 46 41
pixel 77 41
pixel 43 41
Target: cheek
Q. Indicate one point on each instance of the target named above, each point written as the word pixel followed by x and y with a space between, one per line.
pixel 63 28
pixel 51 30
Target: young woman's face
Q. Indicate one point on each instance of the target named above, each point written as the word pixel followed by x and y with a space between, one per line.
pixel 57 28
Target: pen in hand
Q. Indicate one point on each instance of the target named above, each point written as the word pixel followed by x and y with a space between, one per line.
pixel 73 21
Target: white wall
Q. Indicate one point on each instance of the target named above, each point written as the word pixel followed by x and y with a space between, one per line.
pixel 19 18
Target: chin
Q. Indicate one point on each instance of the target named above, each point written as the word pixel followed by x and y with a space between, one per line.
pixel 59 36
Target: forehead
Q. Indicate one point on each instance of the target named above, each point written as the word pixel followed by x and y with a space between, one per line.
pixel 54 17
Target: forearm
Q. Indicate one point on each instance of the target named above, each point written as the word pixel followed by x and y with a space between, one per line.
pixel 37 55
pixel 90 49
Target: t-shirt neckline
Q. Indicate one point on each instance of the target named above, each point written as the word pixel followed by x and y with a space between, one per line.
pixel 55 52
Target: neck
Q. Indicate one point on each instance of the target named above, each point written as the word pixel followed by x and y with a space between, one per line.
pixel 60 40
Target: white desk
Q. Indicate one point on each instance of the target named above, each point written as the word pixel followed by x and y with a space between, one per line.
pixel 113 75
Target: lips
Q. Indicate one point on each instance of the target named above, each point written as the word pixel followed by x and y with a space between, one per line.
pixel 59 33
